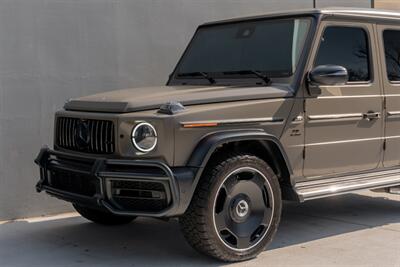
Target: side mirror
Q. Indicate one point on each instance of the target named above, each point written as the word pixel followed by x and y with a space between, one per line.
pixel 326 75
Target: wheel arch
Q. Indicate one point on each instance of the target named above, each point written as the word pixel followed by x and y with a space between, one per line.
pixel 269 148
pixel 210 144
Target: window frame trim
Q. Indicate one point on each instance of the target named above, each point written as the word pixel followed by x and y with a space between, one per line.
pixel 382 36
pixel 172 80
pixel 371 67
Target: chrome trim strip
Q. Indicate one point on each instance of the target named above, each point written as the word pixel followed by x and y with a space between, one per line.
pixel 345 141
pixel 392 137
pixel 348 96
pixel 393 114
pixel 239 121
pixel 330 187
pixel 355 186
pixel 336 116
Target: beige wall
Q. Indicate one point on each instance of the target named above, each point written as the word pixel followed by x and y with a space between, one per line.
pixel 388 4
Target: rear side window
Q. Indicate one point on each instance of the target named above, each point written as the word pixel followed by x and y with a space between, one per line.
pixel 391 40
pixel 347 47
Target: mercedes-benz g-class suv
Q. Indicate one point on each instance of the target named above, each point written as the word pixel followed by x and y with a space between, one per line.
pixel 290 106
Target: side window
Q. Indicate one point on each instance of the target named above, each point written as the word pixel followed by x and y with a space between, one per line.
pixel 391 40
pixel 347 47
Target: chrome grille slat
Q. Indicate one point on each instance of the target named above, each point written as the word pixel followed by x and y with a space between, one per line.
pixel 69 133
pixel 112 143
pixel 100 132
pixel 96 133
pixel 60 132
pixel 64 132
pixel 91 136
pixel 101 136
pixel 106 138
pixel 73 134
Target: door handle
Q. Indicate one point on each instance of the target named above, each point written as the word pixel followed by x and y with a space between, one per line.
pixel 369 116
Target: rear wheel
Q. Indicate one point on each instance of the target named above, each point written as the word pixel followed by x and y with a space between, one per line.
pixel 235 211
pixel 102 217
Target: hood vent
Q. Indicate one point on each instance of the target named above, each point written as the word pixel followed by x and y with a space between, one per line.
pixel 171 108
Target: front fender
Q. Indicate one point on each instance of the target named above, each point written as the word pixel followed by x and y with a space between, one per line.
pixel 207 146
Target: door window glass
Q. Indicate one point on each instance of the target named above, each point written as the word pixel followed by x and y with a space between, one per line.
pixel 347 47
pixel 391 39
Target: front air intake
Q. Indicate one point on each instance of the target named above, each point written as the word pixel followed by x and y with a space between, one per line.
pixel 140 196
pixel 76 183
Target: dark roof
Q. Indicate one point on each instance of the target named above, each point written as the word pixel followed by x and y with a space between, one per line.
pixel 361 13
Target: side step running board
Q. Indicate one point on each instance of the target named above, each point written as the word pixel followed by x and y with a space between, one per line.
pixel 340 185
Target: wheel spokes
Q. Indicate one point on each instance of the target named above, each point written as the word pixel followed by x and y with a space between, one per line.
pixel 267 215
pixel 244 209
pixel 243 242
pixel 220 221
pixel 229 185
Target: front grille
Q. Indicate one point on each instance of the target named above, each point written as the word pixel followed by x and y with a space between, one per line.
pixel 140 196
pixel 80 184
pixel 89 136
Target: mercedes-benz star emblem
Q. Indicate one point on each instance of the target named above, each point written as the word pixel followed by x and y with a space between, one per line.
pixel 82 134
pixel 242 208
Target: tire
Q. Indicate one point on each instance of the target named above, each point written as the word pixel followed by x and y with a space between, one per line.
pixel 102 217
pixel 227 206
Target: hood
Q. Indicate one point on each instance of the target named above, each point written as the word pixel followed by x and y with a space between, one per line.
pixel 147 98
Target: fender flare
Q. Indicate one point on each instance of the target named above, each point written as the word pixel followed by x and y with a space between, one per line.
pixel 207 146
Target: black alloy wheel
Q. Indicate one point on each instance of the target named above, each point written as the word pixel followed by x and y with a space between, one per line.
pixel 235 210
pixel 243 209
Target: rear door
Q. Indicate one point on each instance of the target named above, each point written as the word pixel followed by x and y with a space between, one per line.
pixel 389 42
pixel 338 138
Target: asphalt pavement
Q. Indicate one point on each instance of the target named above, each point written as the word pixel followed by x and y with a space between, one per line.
pixel 350 230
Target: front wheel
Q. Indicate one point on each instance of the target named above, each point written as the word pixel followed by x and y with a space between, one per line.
pixel 235 211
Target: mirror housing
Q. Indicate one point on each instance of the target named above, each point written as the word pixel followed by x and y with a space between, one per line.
pixel 326 75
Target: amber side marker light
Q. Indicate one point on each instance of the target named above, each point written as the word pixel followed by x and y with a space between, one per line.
pixel 198 125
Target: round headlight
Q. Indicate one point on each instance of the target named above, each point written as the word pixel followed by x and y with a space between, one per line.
pixel 144 137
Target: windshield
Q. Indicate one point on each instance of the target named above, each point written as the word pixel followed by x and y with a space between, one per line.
pixel 257 49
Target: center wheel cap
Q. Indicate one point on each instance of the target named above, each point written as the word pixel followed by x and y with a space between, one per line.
pixel 242 208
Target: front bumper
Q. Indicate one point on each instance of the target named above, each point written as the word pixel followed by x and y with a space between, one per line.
pixel 122 187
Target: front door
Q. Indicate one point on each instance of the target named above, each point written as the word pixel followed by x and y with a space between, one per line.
pixel 341 133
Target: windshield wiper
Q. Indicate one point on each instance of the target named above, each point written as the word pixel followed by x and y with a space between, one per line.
pixel 259 74
pixel 205 75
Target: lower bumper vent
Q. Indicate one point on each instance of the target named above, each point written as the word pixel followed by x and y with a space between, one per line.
pixel 141 196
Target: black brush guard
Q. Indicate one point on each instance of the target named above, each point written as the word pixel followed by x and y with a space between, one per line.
pixel 120 186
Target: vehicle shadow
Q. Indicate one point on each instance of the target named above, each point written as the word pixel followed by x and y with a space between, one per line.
pixel 149 242
pixel 333 216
